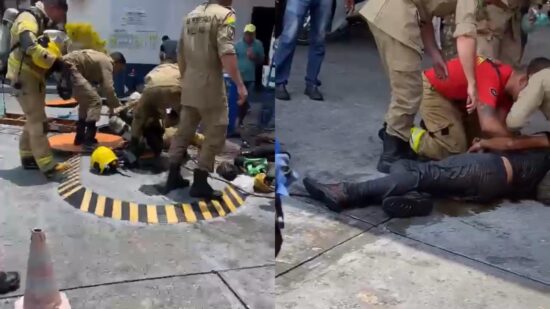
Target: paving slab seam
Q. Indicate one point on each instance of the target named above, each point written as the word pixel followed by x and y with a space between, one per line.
pixel 150 279
pixel 86 200
pixel 307 199
pixel 546 284
pixel 322 252
pixel 231 289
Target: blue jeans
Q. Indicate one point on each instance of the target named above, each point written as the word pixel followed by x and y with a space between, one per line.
pixel 295 12
pixel 268 110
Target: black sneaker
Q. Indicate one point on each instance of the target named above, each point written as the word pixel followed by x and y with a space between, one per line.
pixel 406 206
pixel 9 282
pixel 314 93
pixel 281 93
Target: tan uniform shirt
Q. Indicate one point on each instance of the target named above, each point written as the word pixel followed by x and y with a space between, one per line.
pixel 535 96
pixel 96 67
pixel 207 35
pixel 401 19
pixel 163 75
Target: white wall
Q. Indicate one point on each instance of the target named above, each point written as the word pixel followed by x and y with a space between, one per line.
pixel 167 14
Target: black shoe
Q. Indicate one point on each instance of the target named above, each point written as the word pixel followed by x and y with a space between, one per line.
pixel 333 196
pixel 29 163
pixel 281 93
pixel 175 181
pixel 394 149
pixel 314 93
pixel 89 137
pixel 382 132
pixel 9 282
pixel 406 206
pixel 80 132
pixel 200 187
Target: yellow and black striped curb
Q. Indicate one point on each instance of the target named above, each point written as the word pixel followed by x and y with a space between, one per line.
pixel 72 191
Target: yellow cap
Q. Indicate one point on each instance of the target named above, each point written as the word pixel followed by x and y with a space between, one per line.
pixel 250 28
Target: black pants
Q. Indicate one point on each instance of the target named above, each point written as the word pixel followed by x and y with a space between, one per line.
pixel 471 176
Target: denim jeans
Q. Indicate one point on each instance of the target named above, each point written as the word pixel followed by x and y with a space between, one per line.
pixel 295 12
pixel 268 110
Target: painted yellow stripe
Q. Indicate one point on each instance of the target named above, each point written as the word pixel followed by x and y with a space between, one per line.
pixel 152 214
pixel 117 209
pixel 63 188
pixel 134 216
pixel 235 195
pixel 100 206
pixel 171 214
pixel 72 177
pixel 229 203
pixel 189 214
pixel 219 208
pixel 66 195
pixel 85 205
pixel 204 210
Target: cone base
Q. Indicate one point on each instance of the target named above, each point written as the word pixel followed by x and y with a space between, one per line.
pixel 64 304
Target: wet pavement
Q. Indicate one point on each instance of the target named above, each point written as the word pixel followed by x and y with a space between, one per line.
pixel 461 256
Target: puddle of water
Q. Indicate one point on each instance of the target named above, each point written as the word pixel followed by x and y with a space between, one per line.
pixel 454 208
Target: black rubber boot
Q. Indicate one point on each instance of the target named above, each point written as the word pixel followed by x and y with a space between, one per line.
pixel 9 282
pixel 332 195
pixel 394 149
pixel 175 181
pixel 80 132
pixel 89 137
pixel 201 188
pixel 412 204
pixel 29 163
pixel 281 93
pixel 314 93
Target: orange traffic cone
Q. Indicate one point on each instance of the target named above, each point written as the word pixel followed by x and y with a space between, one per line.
pixel 41 291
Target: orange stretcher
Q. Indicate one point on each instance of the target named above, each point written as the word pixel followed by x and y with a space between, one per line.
pixel 62 103
pixel 65 142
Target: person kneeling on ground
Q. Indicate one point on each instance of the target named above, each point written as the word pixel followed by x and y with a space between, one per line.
pixel 162 91
pixel 474 177
pixel 447 127
pixel 88 68
pixel 536 96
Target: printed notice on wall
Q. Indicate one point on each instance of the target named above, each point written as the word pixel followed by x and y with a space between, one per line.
pixel 122 39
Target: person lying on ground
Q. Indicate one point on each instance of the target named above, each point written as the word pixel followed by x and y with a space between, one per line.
pixel 447 127
pixel 473 177
pixel 536 96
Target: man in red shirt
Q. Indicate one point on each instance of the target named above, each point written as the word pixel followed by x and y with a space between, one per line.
pixel 448 125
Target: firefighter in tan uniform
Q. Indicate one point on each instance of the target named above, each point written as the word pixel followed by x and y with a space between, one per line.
pixel 162 91
pixel 401 50
pixel 206 49
pixel 89 68
pixel 536 96
pixel 28 64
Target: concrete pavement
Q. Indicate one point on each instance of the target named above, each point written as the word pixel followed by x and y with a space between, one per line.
pixel 462 256
pixel 105 263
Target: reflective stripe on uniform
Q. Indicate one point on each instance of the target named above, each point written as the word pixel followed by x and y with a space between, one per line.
pixel 416 137
pixel 45 163
pixel 25 154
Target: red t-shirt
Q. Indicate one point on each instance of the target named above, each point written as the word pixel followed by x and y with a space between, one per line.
pixel 490 87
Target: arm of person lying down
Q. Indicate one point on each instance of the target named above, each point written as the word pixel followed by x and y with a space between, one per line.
pixel 512 143
pixel 491 125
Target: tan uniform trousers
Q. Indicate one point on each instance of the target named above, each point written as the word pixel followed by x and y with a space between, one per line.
pixel 450 130
pixel 403 67
pixel 213 121
pixel 89 101
pixel 34 141
pixel 503 41
pixel 152 107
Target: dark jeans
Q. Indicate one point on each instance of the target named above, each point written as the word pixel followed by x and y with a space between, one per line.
pixel 295 12
pixel 479 177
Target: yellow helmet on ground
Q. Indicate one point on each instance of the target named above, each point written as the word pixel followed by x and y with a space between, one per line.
pixel 103 160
